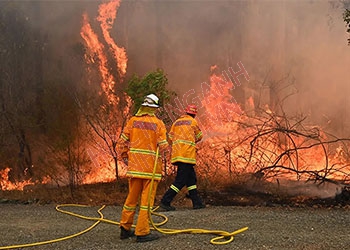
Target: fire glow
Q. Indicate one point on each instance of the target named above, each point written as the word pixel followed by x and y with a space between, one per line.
pixel 96 49
pixel 234 144
pixel 266 143
pixel 96 54
pixel 7 185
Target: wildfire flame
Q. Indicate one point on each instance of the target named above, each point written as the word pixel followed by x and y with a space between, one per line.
pixel 228 146
pixel 96 53
pixel 219 104
pixel 107 15
pixel 6 184
pixel 103 170
pixel 236 143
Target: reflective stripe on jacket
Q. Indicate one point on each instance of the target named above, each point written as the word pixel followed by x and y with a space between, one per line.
pixel 144 133
pixel 184 134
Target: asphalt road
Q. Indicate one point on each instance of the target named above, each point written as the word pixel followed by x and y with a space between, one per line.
pixel 269 228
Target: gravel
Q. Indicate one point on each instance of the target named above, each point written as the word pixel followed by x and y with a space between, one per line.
pixel 269 228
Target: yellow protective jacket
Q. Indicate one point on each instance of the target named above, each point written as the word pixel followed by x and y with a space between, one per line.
pixel 183 135
pixel 143 134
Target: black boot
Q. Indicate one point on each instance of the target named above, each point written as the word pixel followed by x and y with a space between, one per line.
pixel 196 200
pixel 167 199
pixel 124 234
pixel 148 237
pixel 167 207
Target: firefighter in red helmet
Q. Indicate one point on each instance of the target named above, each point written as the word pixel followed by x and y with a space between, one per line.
pixel 141 136
pixel 183 136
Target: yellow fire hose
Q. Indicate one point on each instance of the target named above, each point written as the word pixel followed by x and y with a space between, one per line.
pixel 222 238
pixel 222 234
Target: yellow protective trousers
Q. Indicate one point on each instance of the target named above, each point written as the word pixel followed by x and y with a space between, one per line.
pixel 138 188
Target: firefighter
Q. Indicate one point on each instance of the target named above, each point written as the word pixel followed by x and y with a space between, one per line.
pixel 141 136
pixel 183 135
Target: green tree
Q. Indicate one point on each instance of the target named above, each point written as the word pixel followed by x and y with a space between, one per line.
pixel 152 83
pixel 346 16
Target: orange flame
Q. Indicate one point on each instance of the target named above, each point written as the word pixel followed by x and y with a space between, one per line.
pixel 97 54
pixel 96 50
pixel 107 15
pixel 235 142
pixel 6 184
pixel 219 101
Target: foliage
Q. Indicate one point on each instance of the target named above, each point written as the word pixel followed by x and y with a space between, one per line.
pixel 346 16
pixel 152 83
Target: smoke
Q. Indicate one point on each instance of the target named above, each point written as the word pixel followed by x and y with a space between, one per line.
pixel 296 48
pixel 324 190
pixel 287 46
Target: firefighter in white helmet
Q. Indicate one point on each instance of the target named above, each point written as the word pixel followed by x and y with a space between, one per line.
pixel 141 136
pixel 183 135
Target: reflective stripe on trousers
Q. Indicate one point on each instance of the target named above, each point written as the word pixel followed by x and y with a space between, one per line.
pixel 138 188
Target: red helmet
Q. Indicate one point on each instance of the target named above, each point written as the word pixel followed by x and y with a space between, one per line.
pixel 191 109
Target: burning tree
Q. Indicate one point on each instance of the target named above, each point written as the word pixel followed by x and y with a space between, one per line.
pixel 267 146
pixel 106 112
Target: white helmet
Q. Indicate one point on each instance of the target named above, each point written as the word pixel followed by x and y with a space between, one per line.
pixel 151 101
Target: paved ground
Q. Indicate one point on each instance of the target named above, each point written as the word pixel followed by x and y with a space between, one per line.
pixel 269 228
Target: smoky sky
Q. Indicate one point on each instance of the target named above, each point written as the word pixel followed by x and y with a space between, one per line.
pixel 298 48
